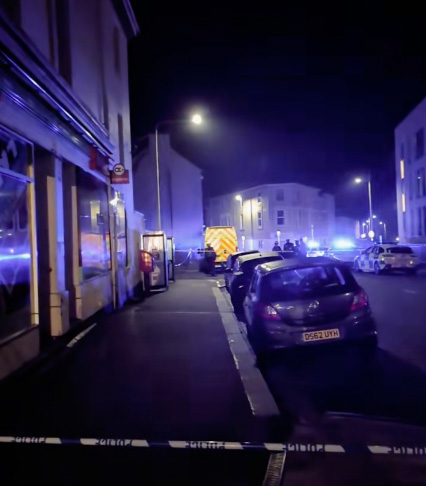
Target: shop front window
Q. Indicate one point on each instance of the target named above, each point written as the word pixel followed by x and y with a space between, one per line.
pixel 15 256
pixel 93 211
pixel 121 234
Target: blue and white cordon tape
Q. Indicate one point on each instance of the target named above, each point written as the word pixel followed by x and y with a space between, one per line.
pixel 231 446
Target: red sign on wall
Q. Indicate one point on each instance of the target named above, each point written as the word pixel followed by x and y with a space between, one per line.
pixel 98 161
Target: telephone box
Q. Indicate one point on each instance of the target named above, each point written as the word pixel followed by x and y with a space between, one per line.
pixel 156 244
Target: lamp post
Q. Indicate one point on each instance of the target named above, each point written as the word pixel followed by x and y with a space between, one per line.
pixel 359 180
pixel 197 120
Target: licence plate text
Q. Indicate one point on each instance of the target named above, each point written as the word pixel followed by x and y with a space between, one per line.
pixel 320 335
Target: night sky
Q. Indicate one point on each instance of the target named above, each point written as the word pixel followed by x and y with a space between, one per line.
pixel 291 91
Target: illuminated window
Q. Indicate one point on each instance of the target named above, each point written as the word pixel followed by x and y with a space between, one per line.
pixel 93 211
pixel 402 168
pixel 403 202
pixel 259 220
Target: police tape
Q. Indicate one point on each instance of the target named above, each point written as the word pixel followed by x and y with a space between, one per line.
pixel 230 446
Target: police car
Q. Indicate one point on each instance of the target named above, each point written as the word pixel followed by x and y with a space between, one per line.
pixel 385 258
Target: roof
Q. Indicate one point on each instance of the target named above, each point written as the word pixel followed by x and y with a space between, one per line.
pixel 297 263
pixel 278 185
pixel 253 256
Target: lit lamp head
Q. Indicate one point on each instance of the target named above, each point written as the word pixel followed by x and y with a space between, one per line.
pixel 238 198
pixel 358 180
pixel 197 119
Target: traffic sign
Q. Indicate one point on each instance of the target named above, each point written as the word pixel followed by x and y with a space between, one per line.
pixel 118 169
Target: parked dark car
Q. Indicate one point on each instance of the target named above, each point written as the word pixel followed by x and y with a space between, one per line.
pixel 304 302
pixel 230 264
pixel 241 273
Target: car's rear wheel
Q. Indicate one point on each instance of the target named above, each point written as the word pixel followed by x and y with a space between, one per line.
pixel 377 270
pixel 357 268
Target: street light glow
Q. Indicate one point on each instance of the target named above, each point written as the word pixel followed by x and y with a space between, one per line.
pixel 238 198
pixel 197 119
pixel 358 180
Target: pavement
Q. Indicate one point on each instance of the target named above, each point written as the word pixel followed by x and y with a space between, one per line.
pixel 163 369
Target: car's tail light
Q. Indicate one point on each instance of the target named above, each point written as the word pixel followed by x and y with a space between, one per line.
pixel 269 313
pixel 360 301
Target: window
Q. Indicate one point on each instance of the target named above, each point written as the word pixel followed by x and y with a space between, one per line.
pixel 420 143
pixel 402 168
pixel 421 183
pixel 280 217
pixel 259 220
pixel 279 196
pixel 121 234
pixel 419 222
pixel 404 223
pixel 92 200
pixel 259 198
pixel 15 250
pixel 63 35
pixel 116 41
pixel 413 223
pixel 305 283
pixel 241 221
pixel 403 202
pixel 400 250
pixel 260 244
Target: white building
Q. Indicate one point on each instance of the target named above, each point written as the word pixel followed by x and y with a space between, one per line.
pixel 181 197
pixel 263 214
pixel 410 164
pixel 65 251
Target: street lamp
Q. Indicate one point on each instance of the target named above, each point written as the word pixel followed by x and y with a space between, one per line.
pixel 197 120
pixel 358 180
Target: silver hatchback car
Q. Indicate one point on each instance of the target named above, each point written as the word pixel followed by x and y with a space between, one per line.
pixel 305 302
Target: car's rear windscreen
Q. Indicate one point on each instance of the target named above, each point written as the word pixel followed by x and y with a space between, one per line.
pixel 402 250
pixel 307 282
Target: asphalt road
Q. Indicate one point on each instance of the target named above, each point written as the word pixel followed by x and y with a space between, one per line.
pixel 345 378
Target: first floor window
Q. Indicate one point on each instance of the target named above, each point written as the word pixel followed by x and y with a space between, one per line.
pixel 259 220
pixel 280 217
pixel 419 221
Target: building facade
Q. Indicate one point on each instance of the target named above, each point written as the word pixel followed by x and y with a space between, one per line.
pixel 410 165
pixel 181 197
pixel 66 232
pixel 263 214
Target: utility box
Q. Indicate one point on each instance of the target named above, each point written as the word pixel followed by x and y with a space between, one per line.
pixel 156 244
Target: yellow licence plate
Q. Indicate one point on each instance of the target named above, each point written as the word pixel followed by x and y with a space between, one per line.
pixel 321 335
